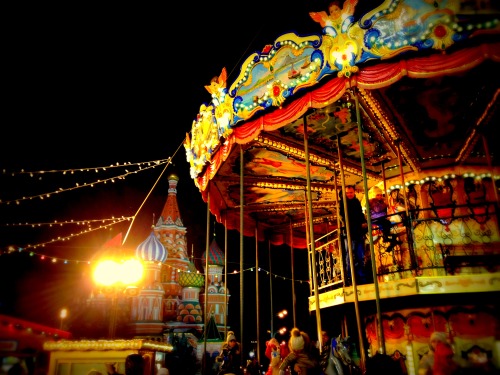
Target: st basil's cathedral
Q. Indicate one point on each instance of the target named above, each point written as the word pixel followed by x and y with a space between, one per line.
pixel 169 304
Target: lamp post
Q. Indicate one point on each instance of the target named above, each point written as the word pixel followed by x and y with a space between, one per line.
pixel 63 315
pixel 117 277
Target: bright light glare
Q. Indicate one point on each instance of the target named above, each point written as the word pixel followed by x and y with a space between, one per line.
pixel 131 272
pixel 64 313
pixel 106 272
pixel 109 272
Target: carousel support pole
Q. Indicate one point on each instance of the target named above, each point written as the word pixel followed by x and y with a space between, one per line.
pixel 308 244
pixel 353 274
pixel 339 233
pixel 205 308
pixel 225 277
pixel 380 327
pixel 407 204
pixel 372 252
pixel 271 288
pixel 385 182
pixel 348 247
pixel 257 301
pixel 292 262
pixel 242 226
pixel 401 172
pixel 311 230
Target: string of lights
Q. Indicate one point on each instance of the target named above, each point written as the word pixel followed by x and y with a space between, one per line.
pixel 66 238
pixel 249 269
pixel 52 259
pixel 62 223
pixel 276 276
pixel 140 168
pixel 87 169
pixel 34 250
pixel 90 223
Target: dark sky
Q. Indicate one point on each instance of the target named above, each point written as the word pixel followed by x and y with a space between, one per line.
pixel 87 87
pixel 124 82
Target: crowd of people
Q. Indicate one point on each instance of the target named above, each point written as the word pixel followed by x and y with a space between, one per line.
pixel 298 356
pixel 302 356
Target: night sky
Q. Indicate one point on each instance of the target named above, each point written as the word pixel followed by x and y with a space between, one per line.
pixel 90 87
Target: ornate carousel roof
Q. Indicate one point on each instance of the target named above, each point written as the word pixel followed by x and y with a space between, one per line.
pixel 420 78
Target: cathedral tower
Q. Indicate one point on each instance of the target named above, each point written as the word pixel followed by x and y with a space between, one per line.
pixel 147 306
pixel 172 234
pixel 216 296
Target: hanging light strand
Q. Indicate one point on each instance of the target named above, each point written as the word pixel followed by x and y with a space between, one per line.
pixel 66 222
pixel 53 259
pixel 88 169
pixel 149 165
pixel 32 247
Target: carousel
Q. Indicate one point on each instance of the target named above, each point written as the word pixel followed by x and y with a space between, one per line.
pixel 402 98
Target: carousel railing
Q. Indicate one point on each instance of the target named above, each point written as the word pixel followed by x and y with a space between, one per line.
pixel 436 241
pixel 329 264
pixel 461 242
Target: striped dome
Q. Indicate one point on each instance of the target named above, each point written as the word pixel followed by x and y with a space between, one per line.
pixel 215 255
pixel 151 249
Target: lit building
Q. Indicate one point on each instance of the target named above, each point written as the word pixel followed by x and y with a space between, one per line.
pixel 172 298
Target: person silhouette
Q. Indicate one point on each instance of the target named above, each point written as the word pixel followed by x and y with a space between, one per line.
pixel 134 365
pixel 358 227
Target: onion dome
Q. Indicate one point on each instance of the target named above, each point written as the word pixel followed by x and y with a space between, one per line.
pixel 215 255
pixel 151 249
pixel 191 277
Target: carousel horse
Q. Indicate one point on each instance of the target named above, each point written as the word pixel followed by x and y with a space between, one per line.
pixel 340 361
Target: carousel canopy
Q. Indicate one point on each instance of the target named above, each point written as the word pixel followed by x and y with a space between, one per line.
pixel 420 78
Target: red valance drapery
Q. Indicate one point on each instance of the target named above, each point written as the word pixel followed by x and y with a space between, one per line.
pixel 368 78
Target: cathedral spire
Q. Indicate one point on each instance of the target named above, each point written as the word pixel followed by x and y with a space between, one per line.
pixel 170 213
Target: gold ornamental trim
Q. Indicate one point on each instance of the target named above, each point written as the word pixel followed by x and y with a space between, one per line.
pixel 68 345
